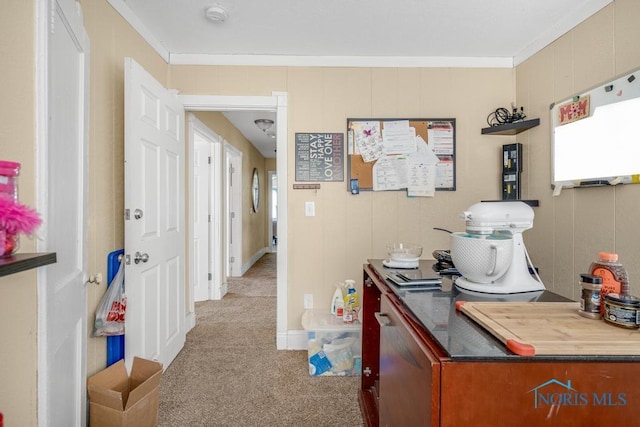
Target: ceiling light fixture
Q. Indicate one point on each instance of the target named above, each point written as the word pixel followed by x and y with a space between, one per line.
pixel 263 124
pixel 216 14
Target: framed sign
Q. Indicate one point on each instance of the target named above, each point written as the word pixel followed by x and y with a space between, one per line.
pixel 319 157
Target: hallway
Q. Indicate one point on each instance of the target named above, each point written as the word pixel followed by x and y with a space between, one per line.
pixel 230 373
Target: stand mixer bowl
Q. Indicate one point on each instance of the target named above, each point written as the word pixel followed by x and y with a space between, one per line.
pixel 481 258
pixel 404 251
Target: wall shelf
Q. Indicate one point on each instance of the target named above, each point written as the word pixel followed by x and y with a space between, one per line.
pixel 22 262
pixel 532 203
pixel 511 128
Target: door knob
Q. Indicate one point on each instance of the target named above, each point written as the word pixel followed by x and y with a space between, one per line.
pixel 137 214
pixel 140 257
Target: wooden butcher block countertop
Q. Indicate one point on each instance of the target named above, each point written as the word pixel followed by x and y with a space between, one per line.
pixel 551 328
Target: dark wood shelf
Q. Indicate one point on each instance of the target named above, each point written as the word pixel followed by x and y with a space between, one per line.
pixel 533 203
pixel 511 128
pixel 22 262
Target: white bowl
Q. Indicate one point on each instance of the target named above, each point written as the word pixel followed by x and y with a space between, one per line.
pixel 404 251
pixel 481 259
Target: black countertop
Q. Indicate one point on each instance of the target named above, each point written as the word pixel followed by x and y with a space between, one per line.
pixel 456 333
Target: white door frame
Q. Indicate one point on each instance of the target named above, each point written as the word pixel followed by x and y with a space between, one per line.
pixel 52 401
pixel 233 210
pixel 217 284
pixel 278 103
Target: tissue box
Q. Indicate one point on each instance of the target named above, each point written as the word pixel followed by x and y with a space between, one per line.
pixel 334 347
pixel 117 399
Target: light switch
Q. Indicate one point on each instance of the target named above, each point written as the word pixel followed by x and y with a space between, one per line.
pixel 310 208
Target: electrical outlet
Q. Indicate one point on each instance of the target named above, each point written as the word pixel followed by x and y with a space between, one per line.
pixel 308 301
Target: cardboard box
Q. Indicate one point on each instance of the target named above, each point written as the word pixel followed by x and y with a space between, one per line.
pixel 334 347
pixel 117 399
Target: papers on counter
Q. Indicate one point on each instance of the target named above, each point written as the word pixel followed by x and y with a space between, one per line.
pixel 402 280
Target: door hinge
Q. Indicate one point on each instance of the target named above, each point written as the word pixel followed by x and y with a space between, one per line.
pixel 232 259
pixel 233 215
pixel 209 160
pixel 209 218
pixel 127 214
pixel 210 276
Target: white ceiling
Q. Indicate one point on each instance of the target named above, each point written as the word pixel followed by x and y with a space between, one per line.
pixel 397 33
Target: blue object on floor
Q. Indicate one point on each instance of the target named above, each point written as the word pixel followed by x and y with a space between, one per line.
pixel 115 345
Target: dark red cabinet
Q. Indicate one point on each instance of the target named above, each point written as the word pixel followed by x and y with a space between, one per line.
pixel 409 379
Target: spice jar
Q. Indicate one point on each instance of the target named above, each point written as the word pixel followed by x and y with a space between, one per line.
pixel 590 296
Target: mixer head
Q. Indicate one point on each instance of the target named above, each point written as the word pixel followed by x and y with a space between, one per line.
pixel 488 217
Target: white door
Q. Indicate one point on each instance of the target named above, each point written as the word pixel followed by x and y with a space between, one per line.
pixel 62 202
pixel 207 279
pixel 234 211
pixel 154 219
pixel 201 218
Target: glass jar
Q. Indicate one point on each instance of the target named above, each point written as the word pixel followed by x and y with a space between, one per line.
pixel 9 172
pixel 615 278
pixel 9 243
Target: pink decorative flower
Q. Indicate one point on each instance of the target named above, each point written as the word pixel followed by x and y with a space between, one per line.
pixel 16 218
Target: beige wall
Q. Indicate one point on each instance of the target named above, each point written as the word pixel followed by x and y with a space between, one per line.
pixel 18 308
pixel 572 228
pixel 347 229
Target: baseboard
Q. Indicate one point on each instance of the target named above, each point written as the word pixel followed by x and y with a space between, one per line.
pixel 190 321
pixel 254 258
pixel 292 340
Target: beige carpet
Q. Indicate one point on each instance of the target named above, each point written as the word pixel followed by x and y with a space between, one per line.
pixel 230 373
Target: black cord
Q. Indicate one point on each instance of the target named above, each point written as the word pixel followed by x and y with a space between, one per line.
pixel 501 116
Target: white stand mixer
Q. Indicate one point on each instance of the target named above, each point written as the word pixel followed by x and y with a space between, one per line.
pixel 515 217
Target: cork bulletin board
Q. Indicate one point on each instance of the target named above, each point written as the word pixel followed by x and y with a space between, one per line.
pixel 439 134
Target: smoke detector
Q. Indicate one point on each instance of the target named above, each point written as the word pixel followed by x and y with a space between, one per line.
pixel 216 14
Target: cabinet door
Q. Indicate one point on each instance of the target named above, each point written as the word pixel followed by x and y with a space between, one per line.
pixel 409 374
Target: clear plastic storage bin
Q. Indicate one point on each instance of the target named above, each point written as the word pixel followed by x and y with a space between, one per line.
pixel 335 347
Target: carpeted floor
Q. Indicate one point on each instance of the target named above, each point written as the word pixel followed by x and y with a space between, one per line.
pixel 230 373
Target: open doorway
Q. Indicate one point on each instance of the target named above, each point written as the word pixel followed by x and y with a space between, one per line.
pixel 278 104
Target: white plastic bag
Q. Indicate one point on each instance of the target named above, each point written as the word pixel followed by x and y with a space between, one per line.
pixel 111 310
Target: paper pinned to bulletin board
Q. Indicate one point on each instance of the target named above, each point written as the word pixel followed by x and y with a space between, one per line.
pixel 417 155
